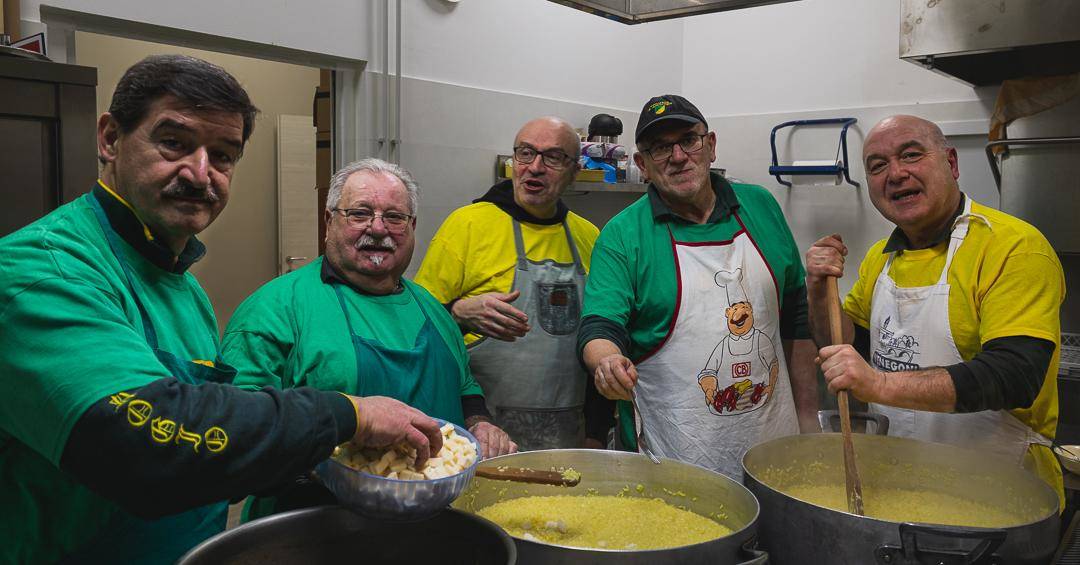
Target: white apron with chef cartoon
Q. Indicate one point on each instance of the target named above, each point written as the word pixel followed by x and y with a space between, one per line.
pixel 909 331
pixel 718 383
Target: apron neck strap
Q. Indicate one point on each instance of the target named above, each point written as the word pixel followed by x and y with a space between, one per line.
pixel 956 237
pixel 519 247
pixel 523 260
pixel 573 248
pixel 114 245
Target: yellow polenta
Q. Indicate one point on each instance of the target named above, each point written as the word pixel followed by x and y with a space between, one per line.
pixel 603 522
pixel 909 505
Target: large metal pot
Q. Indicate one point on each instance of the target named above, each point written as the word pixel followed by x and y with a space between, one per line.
pixel 797 532
pixel 612 472
pixel 335 535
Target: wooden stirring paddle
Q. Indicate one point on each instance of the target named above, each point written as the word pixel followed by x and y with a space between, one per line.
pixel 568 478
pixel 852 482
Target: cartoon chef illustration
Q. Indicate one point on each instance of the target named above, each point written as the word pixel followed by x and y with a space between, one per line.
pixel 741 371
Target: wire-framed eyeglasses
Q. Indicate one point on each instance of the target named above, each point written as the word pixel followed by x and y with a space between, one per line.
pixel 554 158
pixel 363 217
pixel 692 143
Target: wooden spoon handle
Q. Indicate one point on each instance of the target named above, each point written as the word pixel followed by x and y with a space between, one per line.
pixel 522 475
pixel 852 482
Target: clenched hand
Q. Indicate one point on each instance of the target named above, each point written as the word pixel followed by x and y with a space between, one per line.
pixel 826 258
pixel 845 369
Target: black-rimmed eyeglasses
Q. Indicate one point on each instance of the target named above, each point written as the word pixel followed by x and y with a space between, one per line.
pixel 363 217
pixel 690 144
pixel 554 158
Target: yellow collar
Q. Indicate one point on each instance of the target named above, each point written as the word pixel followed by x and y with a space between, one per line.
pixel 146 229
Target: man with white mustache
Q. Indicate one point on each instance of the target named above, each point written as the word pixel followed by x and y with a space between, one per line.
pixel 350 322
pixel 368 242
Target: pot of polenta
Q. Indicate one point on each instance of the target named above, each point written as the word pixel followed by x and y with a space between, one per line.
pixel 924 503
pixel 626 509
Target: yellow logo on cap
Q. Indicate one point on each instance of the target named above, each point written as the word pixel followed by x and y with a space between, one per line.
pixel 659 107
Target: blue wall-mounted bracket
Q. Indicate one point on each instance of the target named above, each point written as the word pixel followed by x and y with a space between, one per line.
pixel 776 169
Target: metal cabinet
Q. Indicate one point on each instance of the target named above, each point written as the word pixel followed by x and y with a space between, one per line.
pixel 47 132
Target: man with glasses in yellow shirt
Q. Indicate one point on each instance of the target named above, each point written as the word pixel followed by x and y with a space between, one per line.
pixel 511 270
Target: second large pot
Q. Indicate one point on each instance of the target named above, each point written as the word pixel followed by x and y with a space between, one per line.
pixel 798 532
pixel 613 472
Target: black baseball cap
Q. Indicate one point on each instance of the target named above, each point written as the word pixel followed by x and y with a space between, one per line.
pixel 667 107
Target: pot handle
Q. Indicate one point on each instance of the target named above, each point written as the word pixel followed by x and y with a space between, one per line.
pixel 757 556
pixel 908 553
pixel 830 421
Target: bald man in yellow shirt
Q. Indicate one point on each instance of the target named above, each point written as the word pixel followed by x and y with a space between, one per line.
pixel 511 269
pixel 956 314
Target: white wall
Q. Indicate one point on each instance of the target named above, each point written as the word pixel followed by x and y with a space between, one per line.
pixel 806 55
pixel 538 48
pixel 817 210
pixel 332 27
pixel 531 47
pixel 476 70
pixel 749 70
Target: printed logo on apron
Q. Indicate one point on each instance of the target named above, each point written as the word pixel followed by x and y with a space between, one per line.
pixel 895 352
pixel 740 374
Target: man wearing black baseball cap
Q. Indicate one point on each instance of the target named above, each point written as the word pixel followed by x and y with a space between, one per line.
pixel 695 309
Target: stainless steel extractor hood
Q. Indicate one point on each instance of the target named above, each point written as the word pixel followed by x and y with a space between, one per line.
pixel 984 42
pixel 641 11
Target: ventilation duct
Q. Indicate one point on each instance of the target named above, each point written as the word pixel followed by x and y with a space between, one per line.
pixel 641 11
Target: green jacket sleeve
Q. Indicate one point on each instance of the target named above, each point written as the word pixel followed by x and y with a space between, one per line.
pixel 258 342
pixel 65 345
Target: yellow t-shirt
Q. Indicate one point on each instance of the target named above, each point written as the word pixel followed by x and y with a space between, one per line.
pixel 1006 280
pixel 473 251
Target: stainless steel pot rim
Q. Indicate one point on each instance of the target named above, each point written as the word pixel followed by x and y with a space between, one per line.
pixel 288 517
pixel 750 524
pixel 1053 511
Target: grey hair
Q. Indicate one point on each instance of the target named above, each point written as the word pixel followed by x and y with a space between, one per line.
pixel 373 165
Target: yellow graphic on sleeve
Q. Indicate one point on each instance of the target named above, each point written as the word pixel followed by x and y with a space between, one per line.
pixel 216 439
pixel 138 412
pixel 119 399
pixel 184 435
pixel 203 362
pixel 162 430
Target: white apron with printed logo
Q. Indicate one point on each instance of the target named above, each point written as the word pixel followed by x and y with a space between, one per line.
pixel 718 383
pixel 909 331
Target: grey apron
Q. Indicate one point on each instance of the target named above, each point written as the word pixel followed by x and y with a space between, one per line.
pixel 534 386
